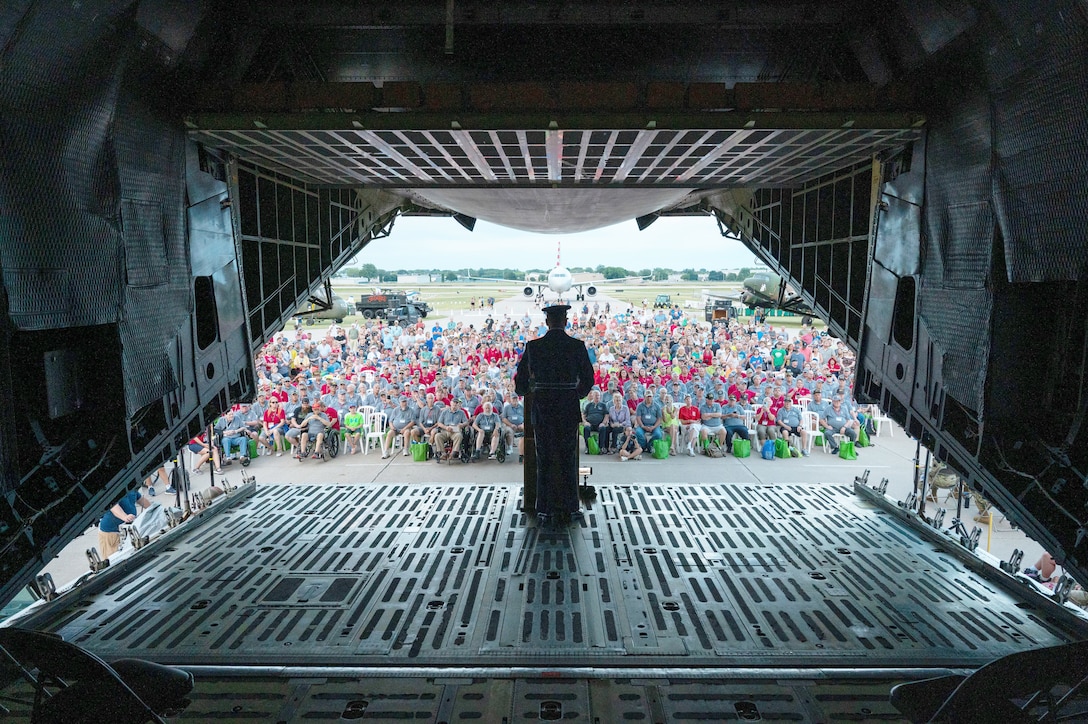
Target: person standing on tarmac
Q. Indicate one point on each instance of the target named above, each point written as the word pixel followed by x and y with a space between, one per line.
pixel 109 527
pixel 557 370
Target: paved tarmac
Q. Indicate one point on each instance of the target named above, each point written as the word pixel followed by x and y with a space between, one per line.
pixel 892 457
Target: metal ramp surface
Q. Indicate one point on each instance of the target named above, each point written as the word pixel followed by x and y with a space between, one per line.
pixel 451 575
pixel 437 602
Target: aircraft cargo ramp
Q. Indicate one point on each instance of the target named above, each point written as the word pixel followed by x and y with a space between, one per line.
pixel 671 602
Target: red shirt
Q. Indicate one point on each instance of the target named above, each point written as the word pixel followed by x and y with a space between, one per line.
pixel 274 417
pixel 776 404
pixel 689 412
pixel 765 417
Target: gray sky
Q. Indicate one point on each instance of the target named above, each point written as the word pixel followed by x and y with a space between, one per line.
pixel 677 243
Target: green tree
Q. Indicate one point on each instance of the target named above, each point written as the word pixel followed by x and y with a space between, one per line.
pixel 615 272
pixel 645 272
pixel 743 273
pixel 660 275
pixel 353 272
pixel 689 275
pixel 715 276
pixel 512 274
pixel 369 271
pixel 449 276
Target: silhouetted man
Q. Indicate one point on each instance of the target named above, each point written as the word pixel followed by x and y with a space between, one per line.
pixel 556 369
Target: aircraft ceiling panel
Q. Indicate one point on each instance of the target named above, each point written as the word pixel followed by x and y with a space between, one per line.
pixel 694 158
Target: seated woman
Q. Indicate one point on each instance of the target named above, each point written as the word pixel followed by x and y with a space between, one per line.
pixel 670 421
pixel 689 418
pixel 766 425
pixel 202 452
pixel 619 417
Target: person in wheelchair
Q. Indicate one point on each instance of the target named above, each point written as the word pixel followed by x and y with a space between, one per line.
pixel 486 425
pixel 452 424
pixel 313 429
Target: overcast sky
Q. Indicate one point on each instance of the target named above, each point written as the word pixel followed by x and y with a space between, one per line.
pixel 677 243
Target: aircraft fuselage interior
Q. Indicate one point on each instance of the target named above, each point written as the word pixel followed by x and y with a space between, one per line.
pixel 176 179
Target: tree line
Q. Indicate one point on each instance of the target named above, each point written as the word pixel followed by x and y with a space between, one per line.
pixel 658 274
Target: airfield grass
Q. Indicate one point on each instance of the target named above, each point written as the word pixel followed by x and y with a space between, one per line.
pixel 454 297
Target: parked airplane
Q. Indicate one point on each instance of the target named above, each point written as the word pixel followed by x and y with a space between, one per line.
pixel 561 281
pixel 766 291
pixel 324 304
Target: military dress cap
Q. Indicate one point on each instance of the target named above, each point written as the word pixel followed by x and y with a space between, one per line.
pixel 556 309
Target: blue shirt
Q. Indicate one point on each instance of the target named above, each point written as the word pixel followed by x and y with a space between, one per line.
pixel 650 415
pixel 733 409
pixel 710 407
pixel 110 523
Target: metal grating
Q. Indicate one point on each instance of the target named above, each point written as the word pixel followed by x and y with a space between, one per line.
pixel 688 158
pixel 467 696
pixel 659 575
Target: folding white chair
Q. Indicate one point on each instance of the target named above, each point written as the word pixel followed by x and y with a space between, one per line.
pixel 376 426
pixel 810 423
pixel 750 423
pixel 883 422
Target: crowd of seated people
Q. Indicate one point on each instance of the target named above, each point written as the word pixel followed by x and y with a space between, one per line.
pixel 658 376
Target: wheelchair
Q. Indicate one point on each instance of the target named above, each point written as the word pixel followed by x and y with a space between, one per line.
pixel 464 454
pixel 330 445
pixel 500 451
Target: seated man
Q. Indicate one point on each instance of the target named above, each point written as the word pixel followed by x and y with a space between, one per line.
pixel 788 421
pixel 486 425
pixel 710 413
pixel 837 422
pixel 818 404
pixel 513 424
pixel 427 420
pixel 295 427
pixel 690 425
pixel 402 421
pixel 231 427
pixel 314 427
pixel 253 421
pixel 353 428
pixel 451 423
pixel 595 420
pixel 647 419
pixel 733 421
